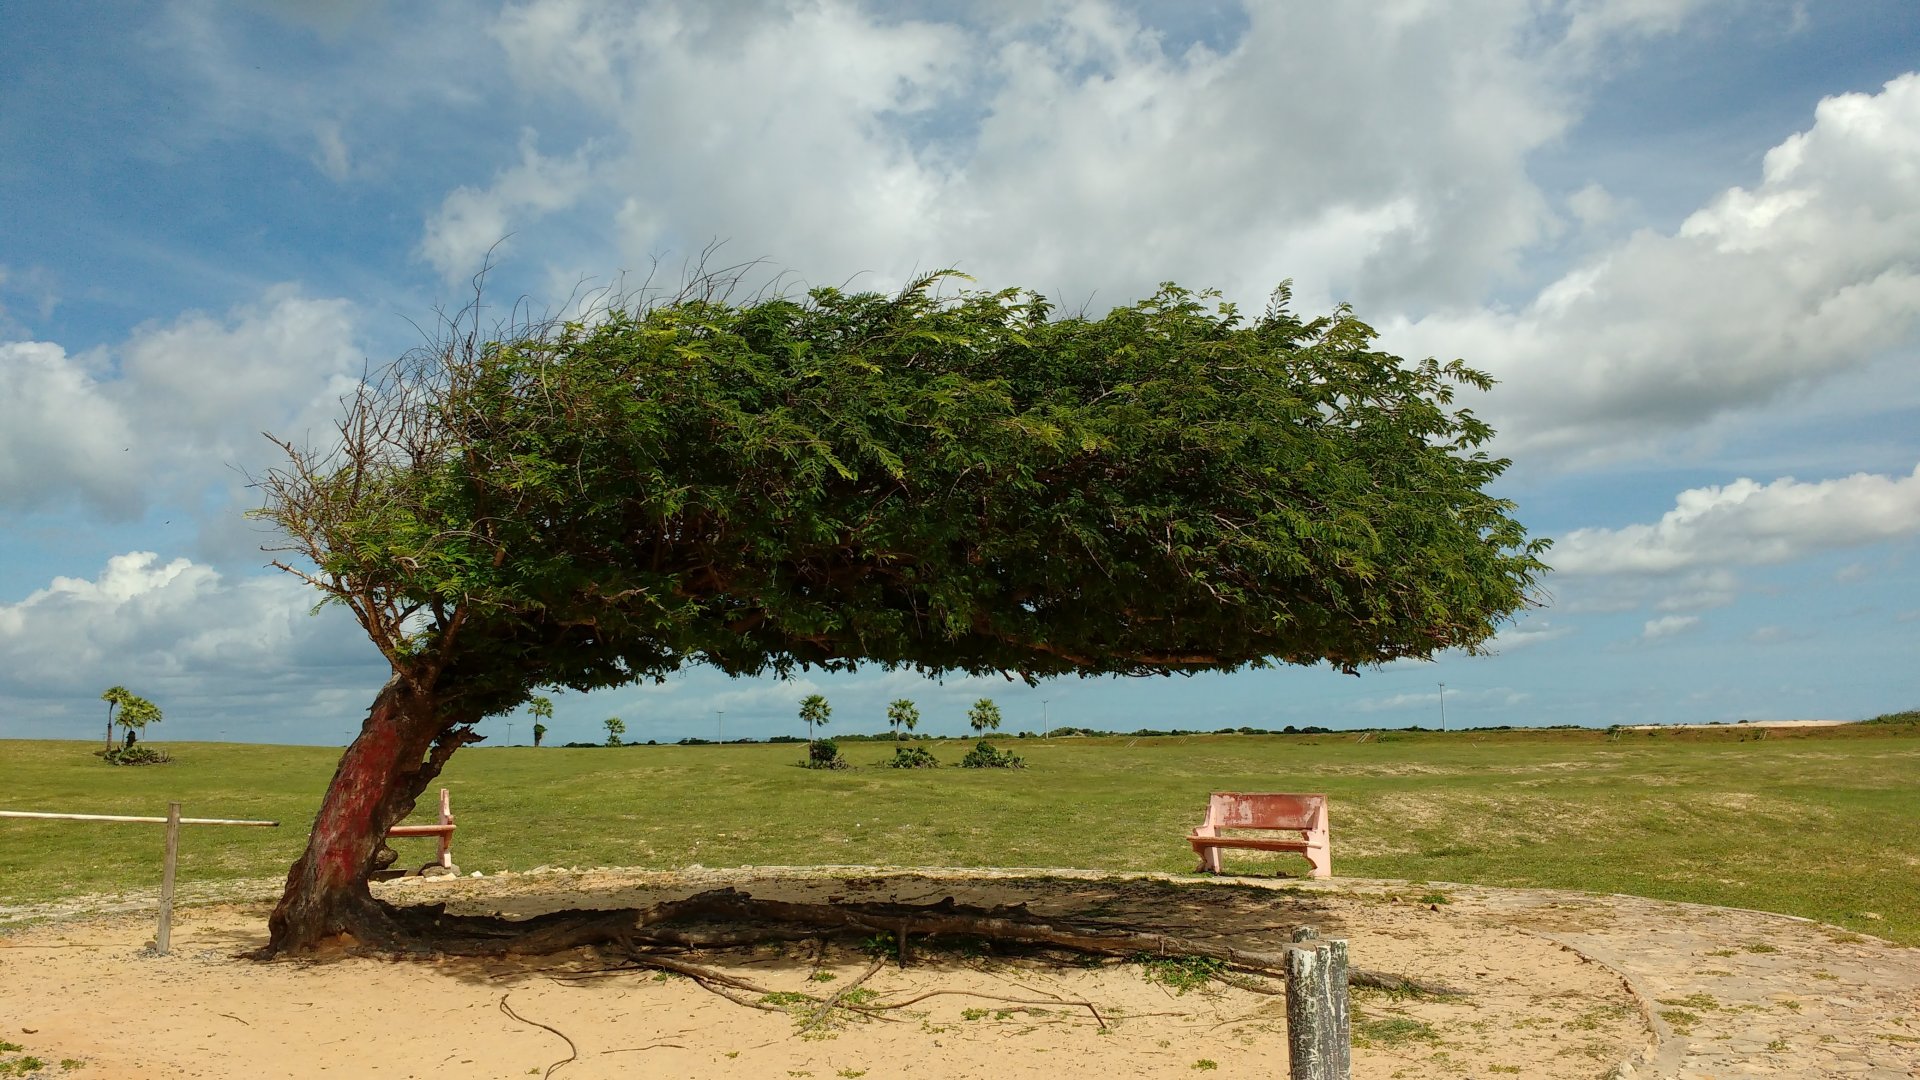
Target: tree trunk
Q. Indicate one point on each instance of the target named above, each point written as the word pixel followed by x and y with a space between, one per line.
pixel 401 747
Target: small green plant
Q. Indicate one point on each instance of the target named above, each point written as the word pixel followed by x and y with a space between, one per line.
pixel 785 999
pixel 1180 973
pixel 1761 947
pixel 135 755
pixel 822 976
pixel 1779 1046
pixel 10 1047
pixel 824 754
pixel 851 1073
pixel 1436 898
pixel 985 756
pixel 1683 1021
pixel 881 944
pixel 911 757
pixel 1205 1065
pixel 1384 1031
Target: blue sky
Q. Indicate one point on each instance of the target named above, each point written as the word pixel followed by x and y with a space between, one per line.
pixel 1684 234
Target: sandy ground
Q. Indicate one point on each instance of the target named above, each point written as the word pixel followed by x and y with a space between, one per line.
pixel 89 992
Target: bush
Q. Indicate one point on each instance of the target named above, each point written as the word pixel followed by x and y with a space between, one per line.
pixel 823 754
pixel 984 756
pixel 135 755
pixel 911 757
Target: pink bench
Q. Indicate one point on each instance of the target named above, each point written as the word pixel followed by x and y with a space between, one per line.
pixel 1256 812
pixel 444 830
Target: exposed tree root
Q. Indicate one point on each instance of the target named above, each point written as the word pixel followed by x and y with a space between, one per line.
pixel 431 930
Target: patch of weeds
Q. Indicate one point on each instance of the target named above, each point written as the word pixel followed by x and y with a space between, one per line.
pixel 1385 1031
pixel 881 944
pixel 1436 898
pixel 1779 1046
pixel 1593 1019
pixel 786 999
pixel 1892 1038
pixel 1180 973
pixel 70 1064
pixel 1706 1002
pixel 859 995
pixel 822 976
pixel 667 976
pixel 1205 1065
pixel 1515 1069
pixel 973 1014
pixel 1760 947
pixel 21 1066
pixel 1789 1004
pixel 733 1053
pixel 1681 1020
pixel 851 1073
pixel 1825 975
pixel 10 1047
pixel 1724 952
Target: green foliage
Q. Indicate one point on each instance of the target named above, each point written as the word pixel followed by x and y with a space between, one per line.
pixel 824 754
pixel 901 714
pixel 616 727
pixel 133 711
pixel 1180 973
pixel 541 707
pixel 948 483
pixel 985 756
pixel 539 733
pixel 912 757
pixel 984 716
pixel 134 755
pixel 814 710
pixel 1910 716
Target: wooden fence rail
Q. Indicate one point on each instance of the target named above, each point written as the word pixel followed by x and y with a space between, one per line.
pixel 163 934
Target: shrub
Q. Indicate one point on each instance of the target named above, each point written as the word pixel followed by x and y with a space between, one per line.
pixel 911 757
pixel 135 755
pixel 985 756
pixel 823 754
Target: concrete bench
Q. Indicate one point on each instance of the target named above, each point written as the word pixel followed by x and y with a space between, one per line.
pixel 443 830
pixel 1233 815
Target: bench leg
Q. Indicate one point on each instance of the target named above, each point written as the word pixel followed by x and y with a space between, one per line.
pixel 1209 861
pixel 1322 862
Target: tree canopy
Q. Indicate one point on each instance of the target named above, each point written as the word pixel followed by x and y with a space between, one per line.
pixel 949 483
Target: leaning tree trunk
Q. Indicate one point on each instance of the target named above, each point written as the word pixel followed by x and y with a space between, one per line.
pixel 402 745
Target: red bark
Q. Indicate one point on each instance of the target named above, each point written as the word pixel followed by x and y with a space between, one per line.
pixel 402 745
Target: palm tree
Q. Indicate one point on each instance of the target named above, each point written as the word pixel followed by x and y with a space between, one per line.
pixel 814 710
pixel 902 714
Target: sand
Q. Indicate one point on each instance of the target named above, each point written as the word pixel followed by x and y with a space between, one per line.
pixel 89 991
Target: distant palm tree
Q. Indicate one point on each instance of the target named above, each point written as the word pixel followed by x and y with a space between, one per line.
pixel 902 714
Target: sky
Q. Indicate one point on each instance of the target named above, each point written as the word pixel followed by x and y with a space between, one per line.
pixel 1684 235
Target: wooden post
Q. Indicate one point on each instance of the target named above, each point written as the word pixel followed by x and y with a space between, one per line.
pixel 163 937
pixel 1319 1038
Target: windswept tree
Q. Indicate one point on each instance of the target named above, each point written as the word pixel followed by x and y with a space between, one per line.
pixel 815 711
pixel 902 717
pixel 944 483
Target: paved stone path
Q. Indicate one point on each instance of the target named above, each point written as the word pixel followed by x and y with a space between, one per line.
pixel 1731 994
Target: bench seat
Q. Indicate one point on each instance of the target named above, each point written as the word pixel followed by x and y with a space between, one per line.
pixel 1302 816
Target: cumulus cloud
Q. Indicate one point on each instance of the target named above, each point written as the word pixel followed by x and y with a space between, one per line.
pixel 1074 146
pixel 172 409
pixel 1750 523
pixel 1808 274
pixel 206 648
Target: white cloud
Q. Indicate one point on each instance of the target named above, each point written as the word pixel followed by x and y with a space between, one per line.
pixel 1667 626
pixel 175 407
pixel 1066 145
pixel 471 221
pixel 1749 523
pixel 1807 275
pixel 198 644
pixel 1512 638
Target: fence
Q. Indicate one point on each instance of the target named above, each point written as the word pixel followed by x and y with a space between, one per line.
pixel 163 935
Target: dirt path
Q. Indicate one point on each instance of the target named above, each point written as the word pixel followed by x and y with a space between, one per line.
pixel 1562 985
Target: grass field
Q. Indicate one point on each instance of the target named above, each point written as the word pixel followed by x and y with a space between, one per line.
pixel 1823 823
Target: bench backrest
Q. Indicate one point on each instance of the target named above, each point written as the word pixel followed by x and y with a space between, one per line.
pixel 1266 810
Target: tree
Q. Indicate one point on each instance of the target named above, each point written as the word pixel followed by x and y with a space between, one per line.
pixel 984 716
pixel 616 727
pixel 115 697
pixel 541 707
pixel 902 714
pixel 134 712
pixel 814 710
pixel 945 483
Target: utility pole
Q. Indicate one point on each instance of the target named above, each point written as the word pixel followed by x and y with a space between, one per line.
pixel 1044 726
pixel 719 725
pixel 1443 706
pixel 509 733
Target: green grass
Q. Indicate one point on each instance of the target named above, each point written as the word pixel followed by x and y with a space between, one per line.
pixel 1812 823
